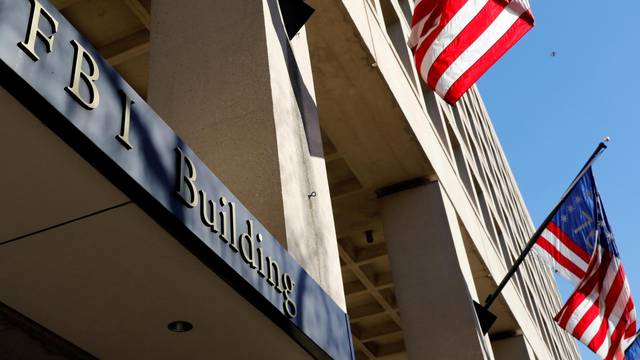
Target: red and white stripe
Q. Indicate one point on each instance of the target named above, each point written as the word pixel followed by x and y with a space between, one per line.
pixel 456 41
pixel 563 254
pixel 601 313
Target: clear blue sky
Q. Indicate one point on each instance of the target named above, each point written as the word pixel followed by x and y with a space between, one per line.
pixel 550 112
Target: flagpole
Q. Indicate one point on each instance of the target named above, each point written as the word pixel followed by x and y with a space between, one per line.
pixel 532 241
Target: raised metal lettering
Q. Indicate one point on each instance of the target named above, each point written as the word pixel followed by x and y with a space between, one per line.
pixel 289 306
pixel 247 246
pixel 33 31
pixel 186 180
pixel 273 274
pixel 208 212
pixel 123 137
pixel 233 243
pixel 89 79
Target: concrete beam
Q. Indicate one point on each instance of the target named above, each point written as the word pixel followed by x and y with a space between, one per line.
pixel 140 11
pixel 63 4
pixel 127 48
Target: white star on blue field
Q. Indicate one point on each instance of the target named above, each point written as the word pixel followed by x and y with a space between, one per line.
pixel 572 80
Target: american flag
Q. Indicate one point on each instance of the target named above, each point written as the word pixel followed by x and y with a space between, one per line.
pixel 456 41
pixel 579 244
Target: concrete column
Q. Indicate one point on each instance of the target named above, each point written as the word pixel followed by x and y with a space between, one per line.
pixel 514 347
pixel 432 276
pixel 226 78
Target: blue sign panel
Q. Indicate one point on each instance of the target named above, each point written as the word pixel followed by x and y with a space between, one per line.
pixel 54 71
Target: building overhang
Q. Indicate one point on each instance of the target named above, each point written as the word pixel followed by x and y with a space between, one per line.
pixel 112 281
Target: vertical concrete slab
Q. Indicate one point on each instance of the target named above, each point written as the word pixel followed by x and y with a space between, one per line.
pixel 209 80
pixel 310 230
pixel 231 84
pixel 514 347
pixel 431 273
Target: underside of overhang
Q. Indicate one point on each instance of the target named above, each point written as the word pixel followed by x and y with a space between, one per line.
pixel 80 259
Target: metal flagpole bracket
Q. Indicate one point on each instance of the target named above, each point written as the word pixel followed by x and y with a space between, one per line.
pixel 295 14
pixel 485 317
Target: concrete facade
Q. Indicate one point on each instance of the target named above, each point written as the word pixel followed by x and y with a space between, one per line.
pixel 429 263
pixel 402 207
pixel 376 114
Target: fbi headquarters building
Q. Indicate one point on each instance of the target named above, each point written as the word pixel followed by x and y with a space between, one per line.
pixel 250 179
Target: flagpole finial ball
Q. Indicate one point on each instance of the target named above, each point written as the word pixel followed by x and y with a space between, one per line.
pixel 606 139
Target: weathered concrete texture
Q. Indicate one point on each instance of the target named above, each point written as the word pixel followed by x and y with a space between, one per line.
pixel 214 91
pixel 431 276
pixel 232 86
pixel 311 236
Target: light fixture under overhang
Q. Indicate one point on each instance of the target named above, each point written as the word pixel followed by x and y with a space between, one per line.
pixel 180 326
